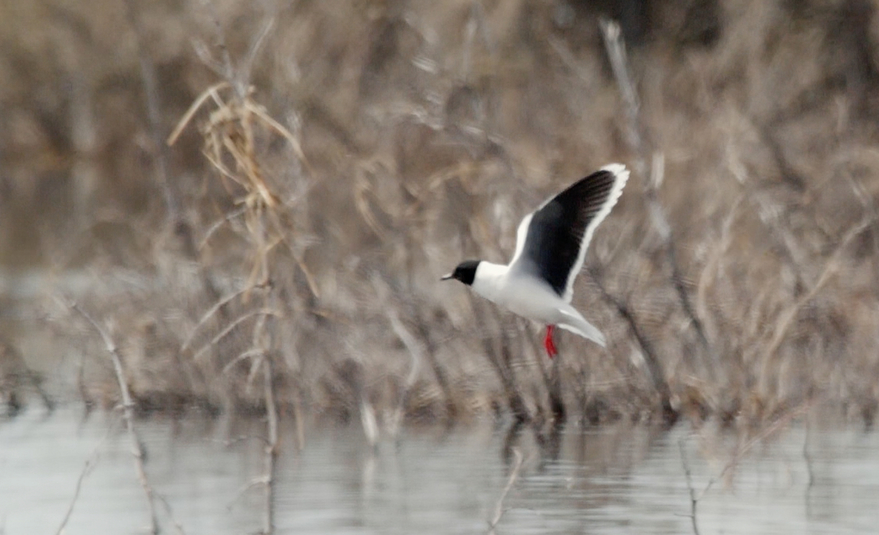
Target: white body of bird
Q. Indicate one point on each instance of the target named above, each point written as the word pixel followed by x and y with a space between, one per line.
pixel 531 298
pixel 551 244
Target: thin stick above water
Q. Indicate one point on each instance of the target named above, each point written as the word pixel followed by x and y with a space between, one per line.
pixel 127 412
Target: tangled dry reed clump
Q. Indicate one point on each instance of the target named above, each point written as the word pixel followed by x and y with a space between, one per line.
pixel 352 153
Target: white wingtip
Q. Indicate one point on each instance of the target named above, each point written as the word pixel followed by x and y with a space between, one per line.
pixel 621 176
pixel 617 169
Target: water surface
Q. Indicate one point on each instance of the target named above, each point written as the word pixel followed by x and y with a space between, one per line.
pixel 618 479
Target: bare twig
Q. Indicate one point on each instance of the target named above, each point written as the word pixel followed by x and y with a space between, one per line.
pixel 154 113
pixel 737 456
pixel 369 422
pixel 86 470
pixel 127 411
pixel 196 105
pixel 504 371
pixel 271 451
pixel 416 356
pixel 438 371
pixel 216 225
pixel 246 67
pixel 713 265
pixel 252 484
pixel 250 353
pixel 651 359
pixel 808 457
pixel 170 514
pixel 207 315
pixel 229 328
pixel 499 507
pixel 616 52
pixel 232 137
pixel 23 373
pixel 90 464
pixel 549 373
pixel 786 318
pixel 694 501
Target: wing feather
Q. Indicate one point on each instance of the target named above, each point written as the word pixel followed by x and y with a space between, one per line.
pixel 551 242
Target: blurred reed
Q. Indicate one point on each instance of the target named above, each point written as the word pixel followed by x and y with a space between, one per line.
pixel 330 162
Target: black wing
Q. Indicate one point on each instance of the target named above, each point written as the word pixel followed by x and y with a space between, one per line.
pixel 559 232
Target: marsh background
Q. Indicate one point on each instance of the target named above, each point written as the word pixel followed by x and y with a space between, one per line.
pixel 247 206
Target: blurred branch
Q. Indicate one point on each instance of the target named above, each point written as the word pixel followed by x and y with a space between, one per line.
pixel 786 318
pixel 807 458
pixel 368 421
pixel 229 328
pixel 416 356
pixel 616 52
pixel 552 378
pixel 245 70
pixel 230 145
pixel 86 470
pixel 23 374
pixel 554 390
pixel 210 92
pixel 271 450
pixel 708 276
pixel 740 451
pixel 90 464
pixel 694 500
pixel 167 506
pixel 154 114
pixel 127 409
pixel 208 315
pixel 499 508
pixel 439 373
pixel 502 368
pixel 654 366
pixel 238 78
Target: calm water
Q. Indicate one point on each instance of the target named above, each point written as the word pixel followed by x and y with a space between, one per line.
pixel 614 480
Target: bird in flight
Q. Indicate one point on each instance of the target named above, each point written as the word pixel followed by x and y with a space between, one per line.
pixel 551 244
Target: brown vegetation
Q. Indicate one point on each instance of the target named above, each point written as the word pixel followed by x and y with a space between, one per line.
pixel 340 157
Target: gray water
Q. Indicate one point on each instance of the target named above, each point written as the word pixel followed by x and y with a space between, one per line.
pixel 618 479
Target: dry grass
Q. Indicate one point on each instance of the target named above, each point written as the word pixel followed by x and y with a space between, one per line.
pixel 336 160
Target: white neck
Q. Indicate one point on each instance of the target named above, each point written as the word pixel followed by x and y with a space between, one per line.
pixel 489 280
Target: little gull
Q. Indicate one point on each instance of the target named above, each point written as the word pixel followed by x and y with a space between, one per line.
pixel 551 244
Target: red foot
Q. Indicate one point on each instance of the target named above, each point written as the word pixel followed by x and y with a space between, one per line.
pixel 548 342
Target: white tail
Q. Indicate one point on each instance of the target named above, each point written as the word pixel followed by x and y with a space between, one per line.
pixel 575 323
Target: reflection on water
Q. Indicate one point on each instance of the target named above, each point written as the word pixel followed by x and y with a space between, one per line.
pixel 612 480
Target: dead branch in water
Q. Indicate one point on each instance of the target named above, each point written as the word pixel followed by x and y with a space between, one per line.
pixel 127 411
pixel 271 449
pixel 90 464
pixel 694 501
pixel 232 140
pixel 739 453
pixel 514 474
pixel 416 357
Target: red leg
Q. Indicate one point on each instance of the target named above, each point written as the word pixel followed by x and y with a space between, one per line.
pixel 548 343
